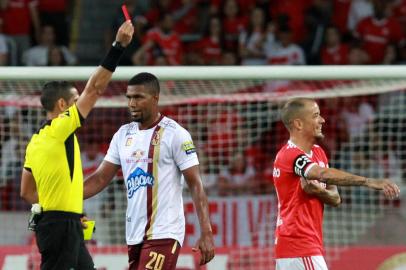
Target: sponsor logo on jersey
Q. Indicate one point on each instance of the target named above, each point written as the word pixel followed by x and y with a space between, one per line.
pixel 137 179
pixel 128 141
pixel 138 154
pixel 188 147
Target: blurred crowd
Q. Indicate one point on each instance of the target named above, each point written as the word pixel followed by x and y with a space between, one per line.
pixel 217 32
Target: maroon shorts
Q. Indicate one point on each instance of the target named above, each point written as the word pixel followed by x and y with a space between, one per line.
pixel 159 254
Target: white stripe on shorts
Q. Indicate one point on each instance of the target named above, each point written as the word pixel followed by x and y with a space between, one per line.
pixel 302 263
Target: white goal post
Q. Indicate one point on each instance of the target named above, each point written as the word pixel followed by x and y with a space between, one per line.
pixel 213 72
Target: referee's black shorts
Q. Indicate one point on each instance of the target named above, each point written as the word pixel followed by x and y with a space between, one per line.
pixel 60 241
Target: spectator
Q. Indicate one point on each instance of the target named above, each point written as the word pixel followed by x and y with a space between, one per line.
pixel 158 9
pixel 54 12
pixel 229 59
pixel 186 18
pixel 357 119
pixel 19 16
pixel 339 18
pixel 377 32
pixel 233 23
pixel 359 10
pixel 160 41
pixel 237 178
pixel 398 11
pixel 290 13
pixel 136 9
pixel 3 46
pixel 38 55
pixel 210 47
pixel 56 57
pixel 11 157
pixel 284 51
pixel 253 39
pixel 316 20
pixel 334 52
pixel 357 56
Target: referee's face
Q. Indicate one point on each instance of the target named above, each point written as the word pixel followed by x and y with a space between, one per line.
pixel 141 104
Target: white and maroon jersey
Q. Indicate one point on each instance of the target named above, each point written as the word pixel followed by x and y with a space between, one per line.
pixel 152 161
pixel 299 231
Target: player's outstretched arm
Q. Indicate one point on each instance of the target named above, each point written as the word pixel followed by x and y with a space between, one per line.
pixel 341 178
pixel 98 180
pixel 101 77
pixel 205 243
pixel 328 195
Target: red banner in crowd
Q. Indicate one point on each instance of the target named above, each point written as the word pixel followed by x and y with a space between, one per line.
pixel 236 221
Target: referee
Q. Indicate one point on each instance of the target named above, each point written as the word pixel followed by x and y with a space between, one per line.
pixel 52 174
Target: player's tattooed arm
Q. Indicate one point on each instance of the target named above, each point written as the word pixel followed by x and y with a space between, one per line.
pixel 328 195
pixel 341 178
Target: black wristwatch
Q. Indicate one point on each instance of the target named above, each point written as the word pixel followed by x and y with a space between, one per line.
pixel 117 44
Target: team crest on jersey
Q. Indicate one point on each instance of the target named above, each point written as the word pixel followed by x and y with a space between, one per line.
pixel 128 141
pixel 137 179
pixel 156 138
pixel 188 147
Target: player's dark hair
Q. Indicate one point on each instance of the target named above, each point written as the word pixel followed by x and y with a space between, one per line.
pixel 149 80
pixel 292 109
pixel 54 90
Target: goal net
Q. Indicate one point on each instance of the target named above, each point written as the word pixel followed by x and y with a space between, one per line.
pixel 233 116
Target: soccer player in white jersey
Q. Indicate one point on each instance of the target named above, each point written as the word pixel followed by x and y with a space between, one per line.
pixel 303 183
pixel 154 152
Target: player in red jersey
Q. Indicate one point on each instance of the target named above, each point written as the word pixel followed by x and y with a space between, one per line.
pixel 304 183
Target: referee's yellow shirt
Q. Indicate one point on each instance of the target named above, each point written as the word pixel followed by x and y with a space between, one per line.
pixel 53 157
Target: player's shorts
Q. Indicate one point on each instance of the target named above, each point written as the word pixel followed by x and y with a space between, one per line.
pixel 160 254
pixel 302 263
pixel 60 241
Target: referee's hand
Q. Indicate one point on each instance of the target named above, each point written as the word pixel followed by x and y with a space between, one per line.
pixel 83 221
pixel 125 33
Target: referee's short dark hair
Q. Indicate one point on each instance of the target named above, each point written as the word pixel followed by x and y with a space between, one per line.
pixel 147 79
pixel 54 90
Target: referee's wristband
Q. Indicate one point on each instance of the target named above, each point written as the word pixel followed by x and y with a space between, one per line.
pixel 112 58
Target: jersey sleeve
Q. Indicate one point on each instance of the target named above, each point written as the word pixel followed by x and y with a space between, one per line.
pixel 66 123
pixel 113 154
pixel 183 149
pixel 27 162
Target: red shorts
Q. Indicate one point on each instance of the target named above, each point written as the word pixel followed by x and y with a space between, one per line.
pixel 159 254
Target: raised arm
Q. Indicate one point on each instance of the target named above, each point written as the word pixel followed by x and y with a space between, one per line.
pixel 98 180
pixel 341 178
pixel 205 242
pixel 101 77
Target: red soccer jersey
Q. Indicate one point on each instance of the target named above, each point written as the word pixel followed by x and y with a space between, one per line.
pixel 376 35
pixel 17 18
pixel 299 228
pixel 340 16
pixel 169 44
pixel 335 56
pixel 210 50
